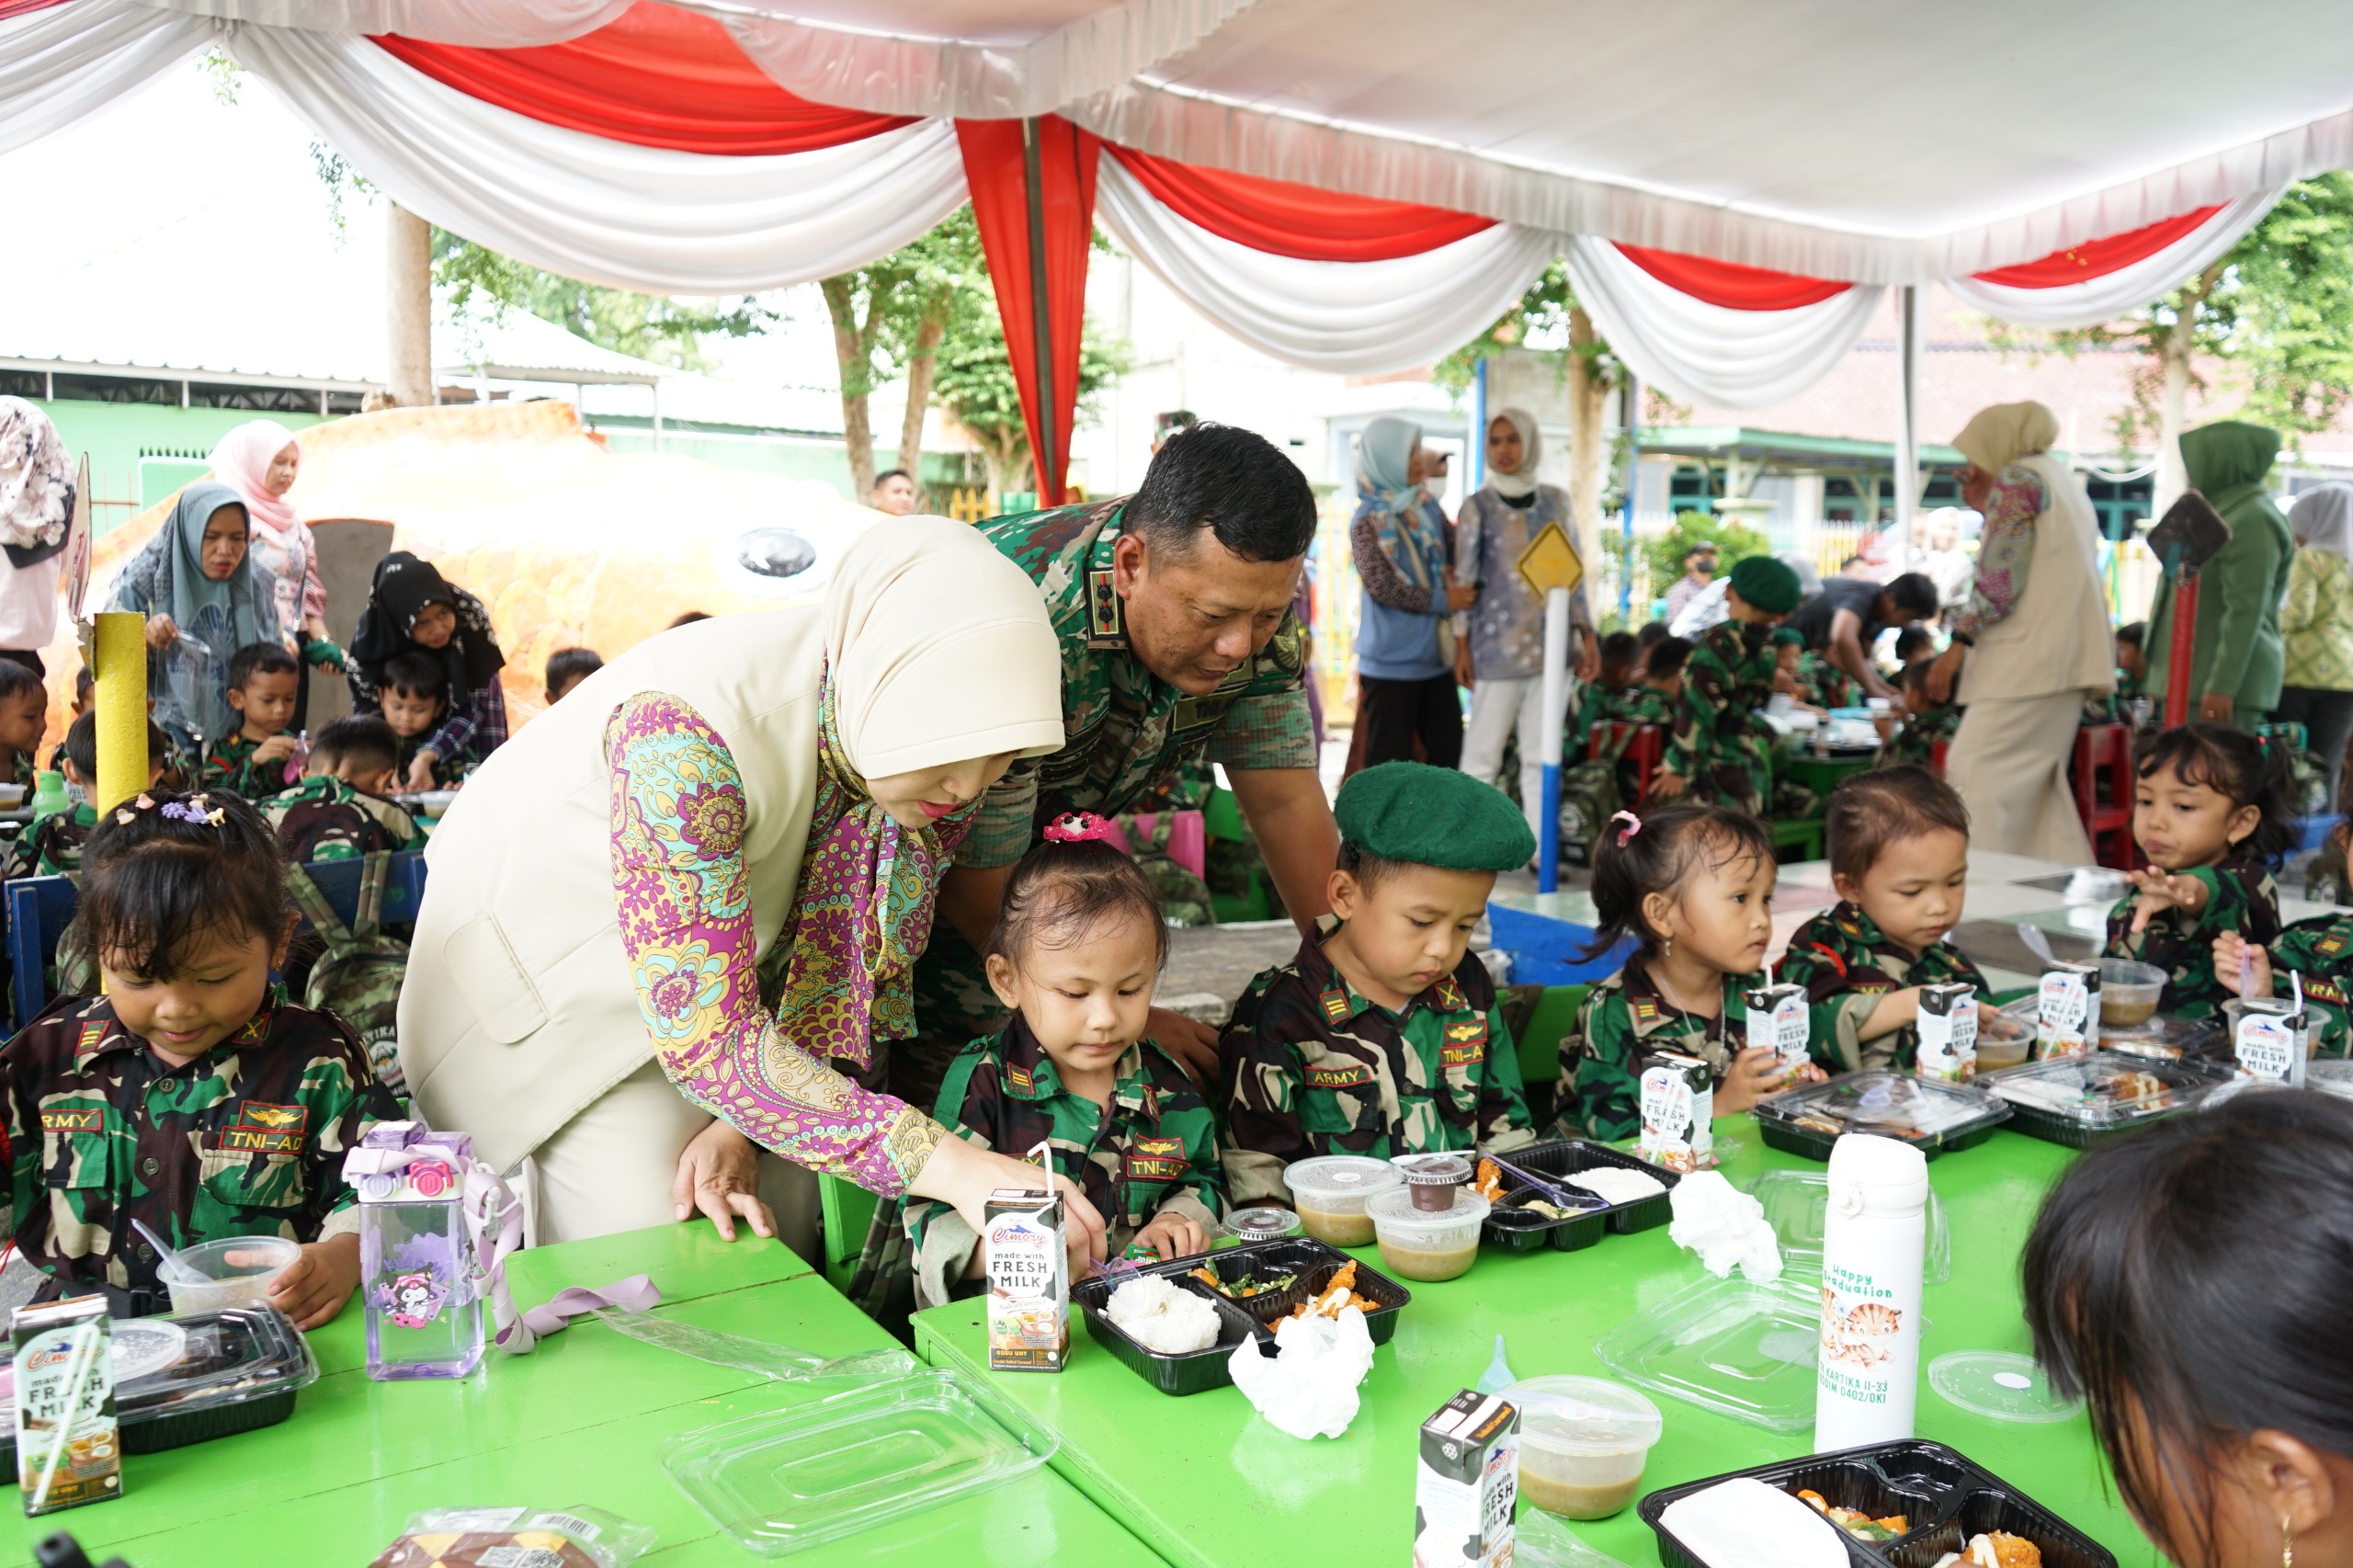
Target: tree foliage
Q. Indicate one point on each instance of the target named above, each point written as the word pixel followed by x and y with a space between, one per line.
pixel 1733 544
pixel 977 389
pixel 644 327
pixel 890 318
pixel 1538 322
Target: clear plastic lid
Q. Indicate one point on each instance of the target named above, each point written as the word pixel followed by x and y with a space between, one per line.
pixel 1797 1205
pixel 1433 1170
pixel 2104 1089
pixel 180 1366
pixel 1893 1104
pixel 2334 1077
pixel 1999 1383
pixel 1584 1416
pixel 1742 1350
pixel 1261 1223
pixel 1394 1213
pixel 1339 1182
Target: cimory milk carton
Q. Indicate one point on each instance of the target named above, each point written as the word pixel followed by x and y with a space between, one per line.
pixel 1029 1279
pixel 1948 1026
pixel 2268 1039
pixel 69 1450
pixel 1466 1483
pixel 1679 1100
pixel 2067 1010
pixel 1777 1018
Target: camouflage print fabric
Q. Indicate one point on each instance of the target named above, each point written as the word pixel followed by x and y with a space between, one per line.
pixel 1592 707
pixel 1183 897
pixel 356 975
pixel 247 1139
pixel 449 768
pixel 1595 788
pixel 323 818
pixel 230 766
pixel 1314 1067
pixel 1722 748
pixel 1846 963
pixel 1623 1019
pixel 2239 897
pixel 1823 684
pixel 24 768
pixel 1916 739
pixel 1127 733
pixel 2321 952
pixel 1152 1150
pixel 50 844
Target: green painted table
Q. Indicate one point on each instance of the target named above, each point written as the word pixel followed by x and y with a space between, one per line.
pixel 1822 773
pixel 1205 1480
pixel 579 1421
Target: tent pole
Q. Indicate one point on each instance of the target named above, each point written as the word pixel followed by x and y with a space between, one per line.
pixel 1630 396
pixel 1041 332
pixel 1474 448
pixel 1907 439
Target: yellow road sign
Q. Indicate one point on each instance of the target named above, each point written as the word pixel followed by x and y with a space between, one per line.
pixel 1550 561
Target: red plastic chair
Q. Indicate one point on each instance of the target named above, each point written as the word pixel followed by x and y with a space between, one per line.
pixel 2108 823
pixel 1937 750
pixel 1644 746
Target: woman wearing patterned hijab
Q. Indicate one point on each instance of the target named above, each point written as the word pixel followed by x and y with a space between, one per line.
pixel 1405 648
pixel 36 504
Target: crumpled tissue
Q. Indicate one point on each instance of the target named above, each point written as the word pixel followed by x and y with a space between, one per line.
pixel 1308 1390
pixel 1725 1226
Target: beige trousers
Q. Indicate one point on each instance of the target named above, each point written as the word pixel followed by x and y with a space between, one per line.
pixel 2009 761
pixel 609 1169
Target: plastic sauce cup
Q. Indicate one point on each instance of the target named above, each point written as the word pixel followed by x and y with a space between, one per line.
pixel 2129 990
pixel 237 1273
pixel 1329 1193
pixel 1583 1443
pixel 1417 1243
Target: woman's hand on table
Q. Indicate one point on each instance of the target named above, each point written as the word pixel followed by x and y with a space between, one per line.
pixel 962 1174
pixel 161 631
pixel 1192 1042
pixel 313 1288
pixel 2231 950
pixel 718 1174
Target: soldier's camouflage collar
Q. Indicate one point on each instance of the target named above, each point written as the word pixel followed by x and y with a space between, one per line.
pixel 1107 612
pixel 98 1031
pixel 1029 1074
pixel 1340 1001
pixel 1651 1013
pixel 1855 924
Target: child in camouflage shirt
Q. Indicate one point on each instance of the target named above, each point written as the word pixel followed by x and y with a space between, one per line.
pixel 1928 723
pixel 265 687
pixel 2319 952
pixel 1076 951
pixel 2209 813
pixel 339 811
pixel 50 844
pixel 1382 1036
pixel 1723 748
pixel 1693 885
pixel 1898 841
pixel 24 714
pixel 1621 657
pixel 1601 778
pixel 190 1097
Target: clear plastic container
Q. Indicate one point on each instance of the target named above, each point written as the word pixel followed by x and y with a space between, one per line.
pixel 188 1380
pixel 788 1480
pixel 1797 1205
pixel 1329 1193
pixel 1583 1443
pixel 237 1271
pixel 2075 1099
pixel 1738 1348
pixel 1935 1116
pixel 2127 992
pixel 1422 1244
pixel 1260 1222
pixel 1999 1383
pixel 2334 1077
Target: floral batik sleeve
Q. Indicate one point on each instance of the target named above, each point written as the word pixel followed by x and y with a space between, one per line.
pixel 684 899
pixel 2004 550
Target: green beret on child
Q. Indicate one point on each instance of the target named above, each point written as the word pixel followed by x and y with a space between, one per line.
pixel 1771 586
pixel 1433 816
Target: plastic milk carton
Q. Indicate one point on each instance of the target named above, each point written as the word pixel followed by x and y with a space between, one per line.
pixel 1948 1028
pixel 69 1450
pixel 1678 1100
pixel 2067 1010
pixel 1777 1018
pixel 1029 1279
pixel 1466 1483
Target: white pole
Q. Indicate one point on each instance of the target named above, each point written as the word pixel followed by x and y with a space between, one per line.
pixel 1907 435
pixel 1556 681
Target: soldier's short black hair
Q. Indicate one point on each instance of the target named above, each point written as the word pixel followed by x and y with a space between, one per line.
pixel 414 673
pixel 1868 811
pixel 1631 864
pixel 1233 483
pixel 357 739
pixel 1060 892
pixel 82 746
pixel 1653 634
pixel 1620 650
pixel 1668 656
pixel 259 659
pixel 568 664
pixel 157 883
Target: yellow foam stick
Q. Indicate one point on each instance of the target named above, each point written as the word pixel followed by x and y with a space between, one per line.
pixel 120 664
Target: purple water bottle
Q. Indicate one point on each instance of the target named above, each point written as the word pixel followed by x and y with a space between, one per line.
pixel 418 1277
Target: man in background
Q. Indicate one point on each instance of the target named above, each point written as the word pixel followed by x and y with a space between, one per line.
pixel 893 493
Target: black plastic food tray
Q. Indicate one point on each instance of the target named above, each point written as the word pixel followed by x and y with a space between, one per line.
pixel 1567 1157
pixel 2186 1077
pixel 1314 1262
pixel 1533 1232
pixel 150 1425
pixel 1946 1496
pixel 1815 1145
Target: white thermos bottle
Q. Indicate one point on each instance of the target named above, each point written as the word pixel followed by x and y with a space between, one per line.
pixel 1873 1243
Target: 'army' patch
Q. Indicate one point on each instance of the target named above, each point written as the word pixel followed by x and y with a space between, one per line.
pixel 1103 618
pixel 2321 990
pixel 1449 995
pixel 71 1120
pixel 1336 1005
pixel 1354 1075
pixel 1156 1159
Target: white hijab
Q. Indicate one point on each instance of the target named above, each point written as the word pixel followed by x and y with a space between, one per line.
pixel 1520 485
pixel 940 651
pixel 2321 518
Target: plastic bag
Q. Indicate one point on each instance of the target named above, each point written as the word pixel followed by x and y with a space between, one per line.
pixel 515 1538
pixel 1544 1541
pixel 193 678
pixel 781 1362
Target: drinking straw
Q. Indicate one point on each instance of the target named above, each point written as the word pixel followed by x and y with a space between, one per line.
pixel 77 1373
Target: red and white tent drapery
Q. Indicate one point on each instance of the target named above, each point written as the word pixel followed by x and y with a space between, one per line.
pixel 655 147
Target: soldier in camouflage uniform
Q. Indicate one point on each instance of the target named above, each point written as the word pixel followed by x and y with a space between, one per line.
pixel 323 818
pixel 1721 749
pixel 1623 1019
pixel 50 844
pixel 1846 963
pixel 1823 684
pixel 1916 740
pixel 1315 1065
pixel 1597 786
pixel 2240 897
pixel 229 765
pixel 265 688
pixel 246 1139
pixel 1152 1151
pixel 2320 953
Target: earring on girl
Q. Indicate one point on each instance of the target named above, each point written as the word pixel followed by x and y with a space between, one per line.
pixel 2287 1543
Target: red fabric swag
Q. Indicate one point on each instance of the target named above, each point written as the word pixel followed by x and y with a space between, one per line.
pixel 657 77
pixel 998 172
pixel 1284 219
pixel 2096 258
pixel 1731 285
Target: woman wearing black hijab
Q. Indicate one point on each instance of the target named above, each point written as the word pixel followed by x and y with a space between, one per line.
pixel 412 608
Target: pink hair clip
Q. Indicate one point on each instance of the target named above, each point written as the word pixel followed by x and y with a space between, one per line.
pixel 1077 827
pixel 1633 825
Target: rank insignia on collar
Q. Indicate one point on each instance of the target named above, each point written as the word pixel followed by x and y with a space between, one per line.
pixel 1645 1011
pixel 2333 942
pixel 91 1035
pixel 1336 1004
pixel 1017 1077
pixel 1449 995
pixel 1103 618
